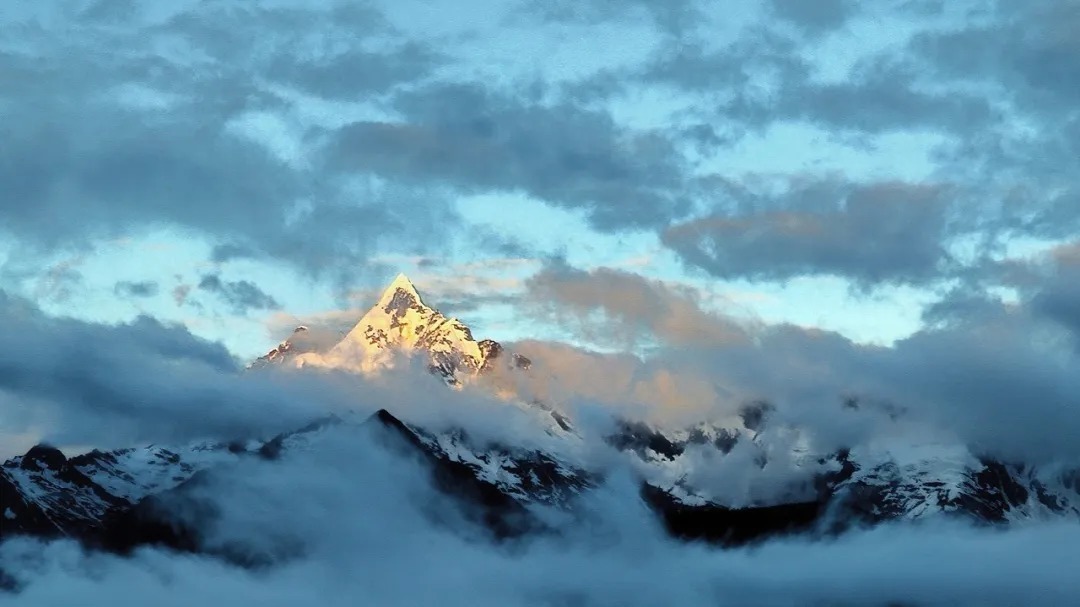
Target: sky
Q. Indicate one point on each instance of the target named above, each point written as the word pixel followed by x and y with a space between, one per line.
pixel 857 212
pixel 785 201
pixel 237 167
pixel 679 182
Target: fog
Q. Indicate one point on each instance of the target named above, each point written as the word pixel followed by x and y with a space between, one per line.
pixel 357 524
pixel 351 522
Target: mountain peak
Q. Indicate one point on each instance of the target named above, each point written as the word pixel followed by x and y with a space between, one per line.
pixel 402 322
pixel 400 296
pixel 400 282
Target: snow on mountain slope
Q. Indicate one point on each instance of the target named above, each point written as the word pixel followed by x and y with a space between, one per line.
pixel 42 492
pixel 736 465
pixel 737 478
pixel 915 481
pixel 132 474
pixel 401 323
pixel 304 339
pixel 528 475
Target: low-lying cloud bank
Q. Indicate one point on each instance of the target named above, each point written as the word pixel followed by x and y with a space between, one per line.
pixel 358 524
pixel 1001 376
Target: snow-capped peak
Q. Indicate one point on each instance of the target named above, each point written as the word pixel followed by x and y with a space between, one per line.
pixel 401 283
pixel 401 322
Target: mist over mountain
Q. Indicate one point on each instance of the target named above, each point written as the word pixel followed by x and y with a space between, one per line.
pixel 423 443
pixel 567 303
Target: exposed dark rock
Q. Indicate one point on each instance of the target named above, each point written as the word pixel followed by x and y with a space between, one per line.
pixel 637 437
pixel 730 526
pixel 485 503
pixel 42 457
pixel 755 414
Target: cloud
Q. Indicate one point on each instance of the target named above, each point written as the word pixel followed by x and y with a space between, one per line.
pixel 114 386
pixel 675 17
pixel 180 294
pixel 635 308
pixel 355 74
pixel 815 17
pixel 475 139
pixel 145 288
pixel 59 282
pixel 241 295
pixel 111 135
pixel 871 233
pixel 995 376
pixel 398 552
pixel 144 381
pixel 762 77
pixel 1056 295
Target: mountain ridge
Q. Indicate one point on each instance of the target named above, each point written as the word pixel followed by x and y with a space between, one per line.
pixel 399 323
pixel 110 498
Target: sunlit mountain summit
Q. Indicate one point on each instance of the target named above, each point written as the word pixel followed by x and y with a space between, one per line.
pixel 399 324
pixel 727 482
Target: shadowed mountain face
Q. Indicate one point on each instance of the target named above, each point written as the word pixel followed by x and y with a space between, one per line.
pixel 157 495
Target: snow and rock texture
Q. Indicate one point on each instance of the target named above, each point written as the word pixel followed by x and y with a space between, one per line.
pixel 401 324
pixel 304 340
pixel 45 493
pixel 728 483
pixel 899 480
pixel 110 498
pixel 916 482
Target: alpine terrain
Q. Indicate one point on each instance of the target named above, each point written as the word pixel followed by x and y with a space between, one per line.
pixel 116 500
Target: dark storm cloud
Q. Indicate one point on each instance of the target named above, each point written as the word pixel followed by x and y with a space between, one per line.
pixel 241 295
pixel 870 233
pixel 480 140
pixel 144 288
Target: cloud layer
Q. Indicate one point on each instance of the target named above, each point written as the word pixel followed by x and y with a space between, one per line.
pixel 373 531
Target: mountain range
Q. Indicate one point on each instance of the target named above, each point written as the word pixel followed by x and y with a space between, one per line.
pixel 119 500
